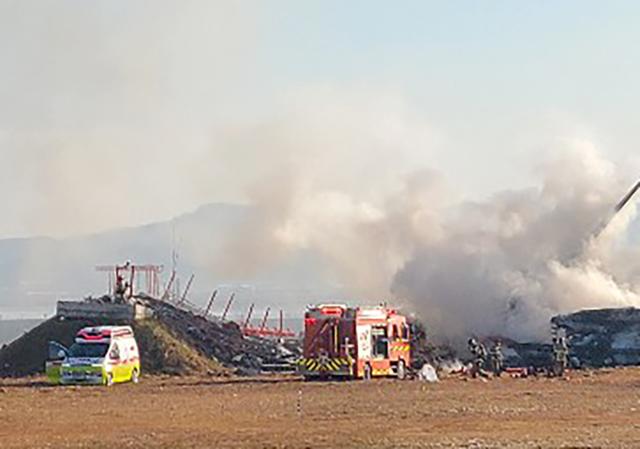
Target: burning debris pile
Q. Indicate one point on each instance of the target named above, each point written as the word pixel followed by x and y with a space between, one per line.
pixel 603 337
pixel 446 358
pixel 596 338
pixel 424 351
pixel 526 355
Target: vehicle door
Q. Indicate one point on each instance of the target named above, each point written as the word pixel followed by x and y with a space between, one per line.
pixel 134 355
pixel 380 350
pixel 126 356
pixel 125 365
pixel 114 360
pixel 56 355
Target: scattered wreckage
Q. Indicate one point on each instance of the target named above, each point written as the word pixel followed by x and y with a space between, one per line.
pixel 602 337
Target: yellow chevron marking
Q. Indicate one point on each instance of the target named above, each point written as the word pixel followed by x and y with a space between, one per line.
pixel 335 364
pixel 402 348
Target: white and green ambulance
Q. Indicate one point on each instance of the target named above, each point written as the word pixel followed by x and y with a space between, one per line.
pixel 100 355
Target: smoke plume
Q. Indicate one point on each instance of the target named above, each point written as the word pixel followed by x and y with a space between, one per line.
pixel 501 266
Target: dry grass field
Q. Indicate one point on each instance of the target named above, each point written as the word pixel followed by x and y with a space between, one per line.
pixel 588 410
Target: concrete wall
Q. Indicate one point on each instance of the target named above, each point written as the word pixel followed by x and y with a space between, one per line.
pixel 95 310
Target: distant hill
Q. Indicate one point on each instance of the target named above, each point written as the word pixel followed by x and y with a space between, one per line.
pixel 35 272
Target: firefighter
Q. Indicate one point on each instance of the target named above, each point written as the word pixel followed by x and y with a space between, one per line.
pixel 497 359
pixel 120 290
pixel 479 353
pixel 560 356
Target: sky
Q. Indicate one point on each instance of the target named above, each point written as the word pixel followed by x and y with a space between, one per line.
pixel 117 113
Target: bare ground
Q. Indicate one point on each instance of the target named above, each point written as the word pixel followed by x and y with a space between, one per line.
pixel 589 410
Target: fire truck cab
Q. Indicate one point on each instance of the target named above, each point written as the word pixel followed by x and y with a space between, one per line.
pixel 354 342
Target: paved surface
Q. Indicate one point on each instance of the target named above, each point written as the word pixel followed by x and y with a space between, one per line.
pixel 601 409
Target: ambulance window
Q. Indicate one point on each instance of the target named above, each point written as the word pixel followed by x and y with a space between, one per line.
pixel 115 353
pixel 90 350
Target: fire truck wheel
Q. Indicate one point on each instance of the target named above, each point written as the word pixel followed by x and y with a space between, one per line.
pixel 367 372
pixel 401 370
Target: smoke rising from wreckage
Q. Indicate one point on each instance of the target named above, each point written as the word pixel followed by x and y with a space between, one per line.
pixel 506 266
pixel 500 266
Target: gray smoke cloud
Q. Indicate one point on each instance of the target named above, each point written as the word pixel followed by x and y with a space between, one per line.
pixel 501 266
pixel 505 266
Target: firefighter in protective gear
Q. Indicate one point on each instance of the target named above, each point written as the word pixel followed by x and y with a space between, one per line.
pixel 120 290
pixel 497 359
pixel 479 353
pixel 560 356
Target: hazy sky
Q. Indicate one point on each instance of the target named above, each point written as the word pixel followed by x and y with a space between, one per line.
pixel 121 112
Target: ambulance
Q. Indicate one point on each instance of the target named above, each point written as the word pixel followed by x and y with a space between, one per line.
pixel 101 355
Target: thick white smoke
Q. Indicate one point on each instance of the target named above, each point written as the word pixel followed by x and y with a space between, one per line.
pixel 502 266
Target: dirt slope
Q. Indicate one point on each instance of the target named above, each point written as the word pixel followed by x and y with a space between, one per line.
pixel 161 351
pixel 174 341
pixel 27 354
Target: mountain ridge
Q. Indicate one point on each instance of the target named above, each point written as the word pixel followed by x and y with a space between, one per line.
pixel 36 272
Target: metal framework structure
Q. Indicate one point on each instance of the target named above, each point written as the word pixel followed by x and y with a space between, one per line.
pixel 130 273
pixel 228 306
pixel 186 290
pixel 263 330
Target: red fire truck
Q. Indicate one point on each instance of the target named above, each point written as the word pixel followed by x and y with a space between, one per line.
pixel 354 342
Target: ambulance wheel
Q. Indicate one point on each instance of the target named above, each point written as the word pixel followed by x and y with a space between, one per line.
pixel 367 372
pixel 401 370
pixel 109 380
pixel 135 376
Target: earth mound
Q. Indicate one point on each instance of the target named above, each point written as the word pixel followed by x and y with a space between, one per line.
pixel 161 351
pixel 171 341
